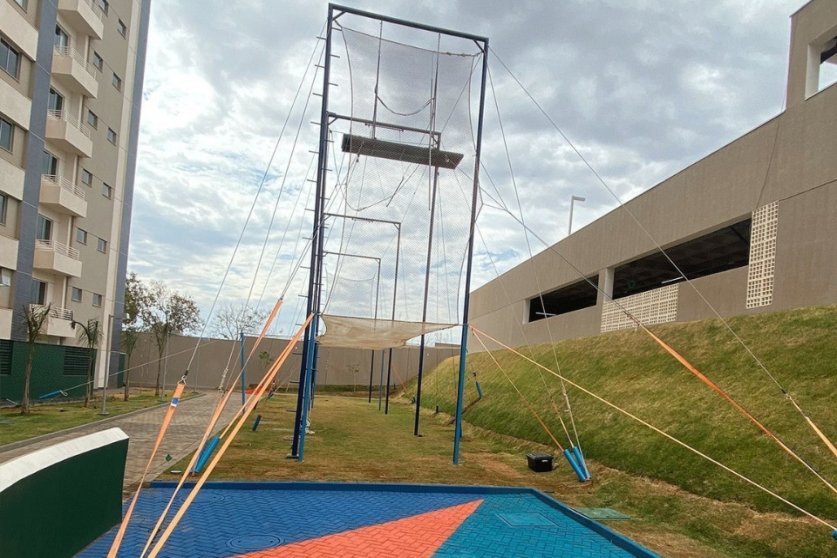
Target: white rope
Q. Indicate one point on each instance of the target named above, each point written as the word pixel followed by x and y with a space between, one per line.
pixel 624 207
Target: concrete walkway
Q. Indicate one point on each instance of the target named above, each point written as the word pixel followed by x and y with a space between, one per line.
pixel 142 427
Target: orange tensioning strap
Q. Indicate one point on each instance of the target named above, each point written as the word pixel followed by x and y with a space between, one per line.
pixel 663 433
pixel 250 405
pixel 822 436
pixel 216 414
pixel 734 403
pixel 175 399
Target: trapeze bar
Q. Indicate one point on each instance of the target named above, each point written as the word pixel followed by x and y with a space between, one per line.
pixel 400 152
pixel 359 218
pixel 387 125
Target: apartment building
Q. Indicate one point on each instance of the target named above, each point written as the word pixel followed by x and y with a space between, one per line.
pixel 71 75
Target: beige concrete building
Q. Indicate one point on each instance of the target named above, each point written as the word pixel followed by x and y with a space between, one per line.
pixel 753 227
pixel 71 75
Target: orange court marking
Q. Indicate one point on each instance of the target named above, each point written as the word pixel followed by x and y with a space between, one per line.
pixel 415 536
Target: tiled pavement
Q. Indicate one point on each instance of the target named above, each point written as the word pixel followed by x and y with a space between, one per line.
pixel 141 427
pixel 267 520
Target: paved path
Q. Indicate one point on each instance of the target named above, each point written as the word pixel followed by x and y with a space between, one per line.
pixel 182 437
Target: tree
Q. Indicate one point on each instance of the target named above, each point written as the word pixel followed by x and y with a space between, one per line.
pixel 136 295
pixel 90 335
pixel 34 318
pixel 232 319
pixel 265 359
pixel 164 312
pixel 129 342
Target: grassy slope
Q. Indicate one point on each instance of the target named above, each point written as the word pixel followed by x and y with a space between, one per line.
pixel 799 347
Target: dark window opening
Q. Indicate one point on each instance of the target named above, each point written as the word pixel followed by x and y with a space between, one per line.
pixel 5 357
pixel 828 65
pixel 76 361
pixel 566 299
pixel 721 250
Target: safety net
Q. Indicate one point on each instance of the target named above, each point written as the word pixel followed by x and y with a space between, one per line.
pixel 399 189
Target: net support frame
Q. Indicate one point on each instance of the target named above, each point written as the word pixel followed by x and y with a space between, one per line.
pixel 313 304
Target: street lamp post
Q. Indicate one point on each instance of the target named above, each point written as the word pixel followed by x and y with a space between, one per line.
pixel 572 203
pixel 109 353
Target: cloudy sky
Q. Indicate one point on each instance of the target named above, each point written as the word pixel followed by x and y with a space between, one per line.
pixel 643 88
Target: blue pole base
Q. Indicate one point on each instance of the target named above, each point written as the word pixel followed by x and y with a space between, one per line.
pixel 256 423
pixel 206 453
pixel 579 472
pixel 479 391
pixel 579 458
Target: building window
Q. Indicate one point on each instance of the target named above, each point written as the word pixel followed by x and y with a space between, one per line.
pixel 49 164
pixel 56 101
pixel 7 133
pixel 107 191
pixel 39 291
pixel 44 228
pixel 76 361
pixel 92 119
pixel 97 300
pixel 81 236
pixel 62 40
pixel 24 4
pixel 9 59
pixel 5 277
pixel 103 5
pixel 86 177
pixel 4 207
pixel 117 82
pixel 102 245
pixel 98 61
pixel 111 136
pixel 76 294
pixel 123 29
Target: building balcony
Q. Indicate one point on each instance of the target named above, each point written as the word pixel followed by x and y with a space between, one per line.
pixel 58 258
pixel 11 177
pixel 8 249
pixel 62 195
pixel 69 134
pixel 59 323
pixel 6 316
pixel 16 105
pixel 70 69
pixel 84 15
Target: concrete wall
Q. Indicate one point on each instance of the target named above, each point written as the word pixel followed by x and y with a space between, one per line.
pixel 338 366
pixel 725 187
pixel 57 500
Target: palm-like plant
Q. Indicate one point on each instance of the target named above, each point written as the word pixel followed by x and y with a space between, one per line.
pixel 90 335
pixel 34 317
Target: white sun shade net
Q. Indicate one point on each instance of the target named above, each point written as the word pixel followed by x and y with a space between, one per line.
pixel 373 334
pixel 397 146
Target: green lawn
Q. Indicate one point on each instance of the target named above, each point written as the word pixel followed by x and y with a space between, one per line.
pixel 52 417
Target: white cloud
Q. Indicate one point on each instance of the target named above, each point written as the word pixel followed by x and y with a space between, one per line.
pixel 643 89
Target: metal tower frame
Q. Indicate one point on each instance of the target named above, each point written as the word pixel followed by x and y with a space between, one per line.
pixel 313 306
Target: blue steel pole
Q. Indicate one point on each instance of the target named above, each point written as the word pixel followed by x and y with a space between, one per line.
pixel 463 347
pixel 243 370
pixel 316 246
